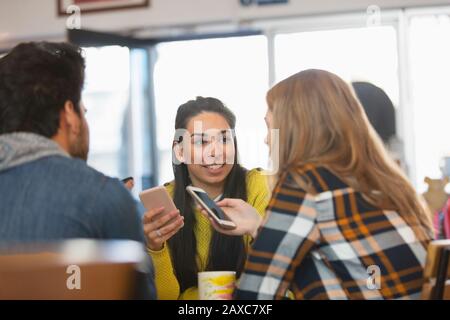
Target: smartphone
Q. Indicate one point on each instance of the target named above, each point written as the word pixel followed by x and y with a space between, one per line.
pixel 156 198
pixel 201 197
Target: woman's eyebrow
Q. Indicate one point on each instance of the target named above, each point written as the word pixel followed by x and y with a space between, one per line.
pixel 224 131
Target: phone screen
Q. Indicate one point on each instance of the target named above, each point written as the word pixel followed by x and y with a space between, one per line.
pixel 212 205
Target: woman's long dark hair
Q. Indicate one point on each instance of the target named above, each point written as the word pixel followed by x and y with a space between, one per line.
pixel 226 253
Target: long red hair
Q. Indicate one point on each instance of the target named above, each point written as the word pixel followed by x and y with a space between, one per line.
pixel 321 121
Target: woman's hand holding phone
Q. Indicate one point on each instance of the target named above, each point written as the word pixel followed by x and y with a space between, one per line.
pixel 242 214
pixel 159 228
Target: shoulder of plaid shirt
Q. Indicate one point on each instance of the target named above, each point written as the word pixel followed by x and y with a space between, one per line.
pixel 321 246
pixel 166 283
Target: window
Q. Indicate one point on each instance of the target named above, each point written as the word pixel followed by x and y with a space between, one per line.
pixel 236 70
pixel 430 78
pixel 353 54
pixel 118 114
pixel 106 97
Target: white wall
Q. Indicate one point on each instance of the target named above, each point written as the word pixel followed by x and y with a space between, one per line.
pixel 34 19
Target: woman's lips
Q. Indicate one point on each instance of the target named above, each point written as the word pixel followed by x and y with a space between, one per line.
pixel 214 168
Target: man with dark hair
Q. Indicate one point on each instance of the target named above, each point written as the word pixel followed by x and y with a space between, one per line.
pixel 47 191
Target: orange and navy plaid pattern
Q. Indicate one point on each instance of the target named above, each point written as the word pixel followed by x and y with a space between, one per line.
pixel 332 245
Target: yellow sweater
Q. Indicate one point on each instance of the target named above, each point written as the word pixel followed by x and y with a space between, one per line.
pixel 167 285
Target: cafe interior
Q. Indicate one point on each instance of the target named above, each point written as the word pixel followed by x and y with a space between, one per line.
pixel 146 58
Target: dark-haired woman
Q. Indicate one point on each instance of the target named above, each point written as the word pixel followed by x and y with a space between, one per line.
pixel 183 242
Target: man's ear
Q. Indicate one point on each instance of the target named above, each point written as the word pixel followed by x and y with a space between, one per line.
pixel 71 117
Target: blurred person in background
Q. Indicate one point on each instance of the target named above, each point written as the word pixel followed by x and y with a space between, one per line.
pixel 381 114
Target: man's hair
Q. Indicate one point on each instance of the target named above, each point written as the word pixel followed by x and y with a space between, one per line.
pixel 36 79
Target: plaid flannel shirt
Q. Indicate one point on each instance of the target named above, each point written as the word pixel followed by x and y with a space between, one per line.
pixel 332 245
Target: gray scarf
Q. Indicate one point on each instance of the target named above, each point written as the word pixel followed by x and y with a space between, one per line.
pixel 19 148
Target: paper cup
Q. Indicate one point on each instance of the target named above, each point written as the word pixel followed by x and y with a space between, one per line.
pixel 216 285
